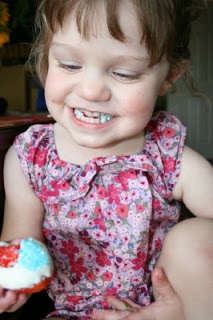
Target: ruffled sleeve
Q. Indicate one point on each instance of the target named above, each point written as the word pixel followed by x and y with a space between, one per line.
pixel 165 136
pixel 33 152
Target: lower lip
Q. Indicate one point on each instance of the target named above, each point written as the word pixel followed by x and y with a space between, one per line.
pixel 88 125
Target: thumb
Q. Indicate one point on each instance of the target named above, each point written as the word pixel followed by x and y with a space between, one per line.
pixel 162 288
pixel 145 313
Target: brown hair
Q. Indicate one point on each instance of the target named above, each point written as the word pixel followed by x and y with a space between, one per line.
pixel 165 26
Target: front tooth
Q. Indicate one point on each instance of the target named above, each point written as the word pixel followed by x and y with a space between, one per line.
pixel 92 117
pixel 91 114
pixel 79 116
pixel 77 111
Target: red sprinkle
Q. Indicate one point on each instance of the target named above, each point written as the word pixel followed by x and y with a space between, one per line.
pixel 9 255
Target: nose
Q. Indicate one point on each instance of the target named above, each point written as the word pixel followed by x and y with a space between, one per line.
pixel 94 88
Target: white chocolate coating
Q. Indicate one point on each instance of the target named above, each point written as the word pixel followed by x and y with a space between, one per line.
pixel 33 265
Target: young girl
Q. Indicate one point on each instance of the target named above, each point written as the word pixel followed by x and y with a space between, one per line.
pixel 103 184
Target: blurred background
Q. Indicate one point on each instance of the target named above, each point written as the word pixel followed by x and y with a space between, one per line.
pixel 17 86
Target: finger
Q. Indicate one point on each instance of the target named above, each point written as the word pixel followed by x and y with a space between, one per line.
pixel 8 298
pixel 109 314
pixel 119 304
pixel 132 303
pixel 144 313
pixel 161 285
pixel 21 300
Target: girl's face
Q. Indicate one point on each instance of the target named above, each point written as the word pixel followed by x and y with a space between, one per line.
pixel 101 90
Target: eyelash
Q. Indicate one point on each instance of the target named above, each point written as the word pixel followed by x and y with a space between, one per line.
pixel 126 76
pixel 69 67
pixel 123 76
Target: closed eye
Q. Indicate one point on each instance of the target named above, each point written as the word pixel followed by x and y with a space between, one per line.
pixel 70 67
pixel 124 76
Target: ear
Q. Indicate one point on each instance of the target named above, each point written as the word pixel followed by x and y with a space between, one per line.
pixel 174 73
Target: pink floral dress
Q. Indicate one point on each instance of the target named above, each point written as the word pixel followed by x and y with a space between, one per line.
pixel 105 221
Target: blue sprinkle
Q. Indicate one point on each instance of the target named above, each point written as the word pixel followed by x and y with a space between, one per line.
pixel 32 255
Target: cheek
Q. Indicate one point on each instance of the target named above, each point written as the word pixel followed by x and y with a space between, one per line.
pixel 143 98
pixel 55 90
pixel 140 102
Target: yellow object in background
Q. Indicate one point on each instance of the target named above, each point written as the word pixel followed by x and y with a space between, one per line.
pixel 4 38
pixel 4 19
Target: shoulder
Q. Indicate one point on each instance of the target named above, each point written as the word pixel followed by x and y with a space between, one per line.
pixel 195 183
pixel 35 132
pixel 12 165
pixel 165 140
pixel 165 124
pixel 33 148
pixel 39 136
pixel 167 135
pixel 11 158
pixel 194 168
pixel 13 172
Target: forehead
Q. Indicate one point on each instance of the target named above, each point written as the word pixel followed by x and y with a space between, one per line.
pixel 96 23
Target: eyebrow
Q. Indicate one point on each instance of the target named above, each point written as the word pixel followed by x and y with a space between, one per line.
pixel 68 47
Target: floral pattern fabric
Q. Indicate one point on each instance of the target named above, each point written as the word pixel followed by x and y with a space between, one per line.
pixel 105 221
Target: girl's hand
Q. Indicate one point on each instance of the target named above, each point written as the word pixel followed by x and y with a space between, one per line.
pixel 11 301
pixel 167 305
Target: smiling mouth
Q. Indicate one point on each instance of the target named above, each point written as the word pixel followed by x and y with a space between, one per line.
pixel 92 117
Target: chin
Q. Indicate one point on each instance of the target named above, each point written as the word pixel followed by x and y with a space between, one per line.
pixel 89 144
pixel 95 143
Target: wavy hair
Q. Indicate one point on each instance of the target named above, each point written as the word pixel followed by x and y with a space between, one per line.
pixel 165 26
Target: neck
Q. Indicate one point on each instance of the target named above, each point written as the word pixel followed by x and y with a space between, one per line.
pixel 80 154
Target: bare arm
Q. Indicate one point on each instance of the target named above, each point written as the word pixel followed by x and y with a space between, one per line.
pixel 195 185
pixel 23 215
